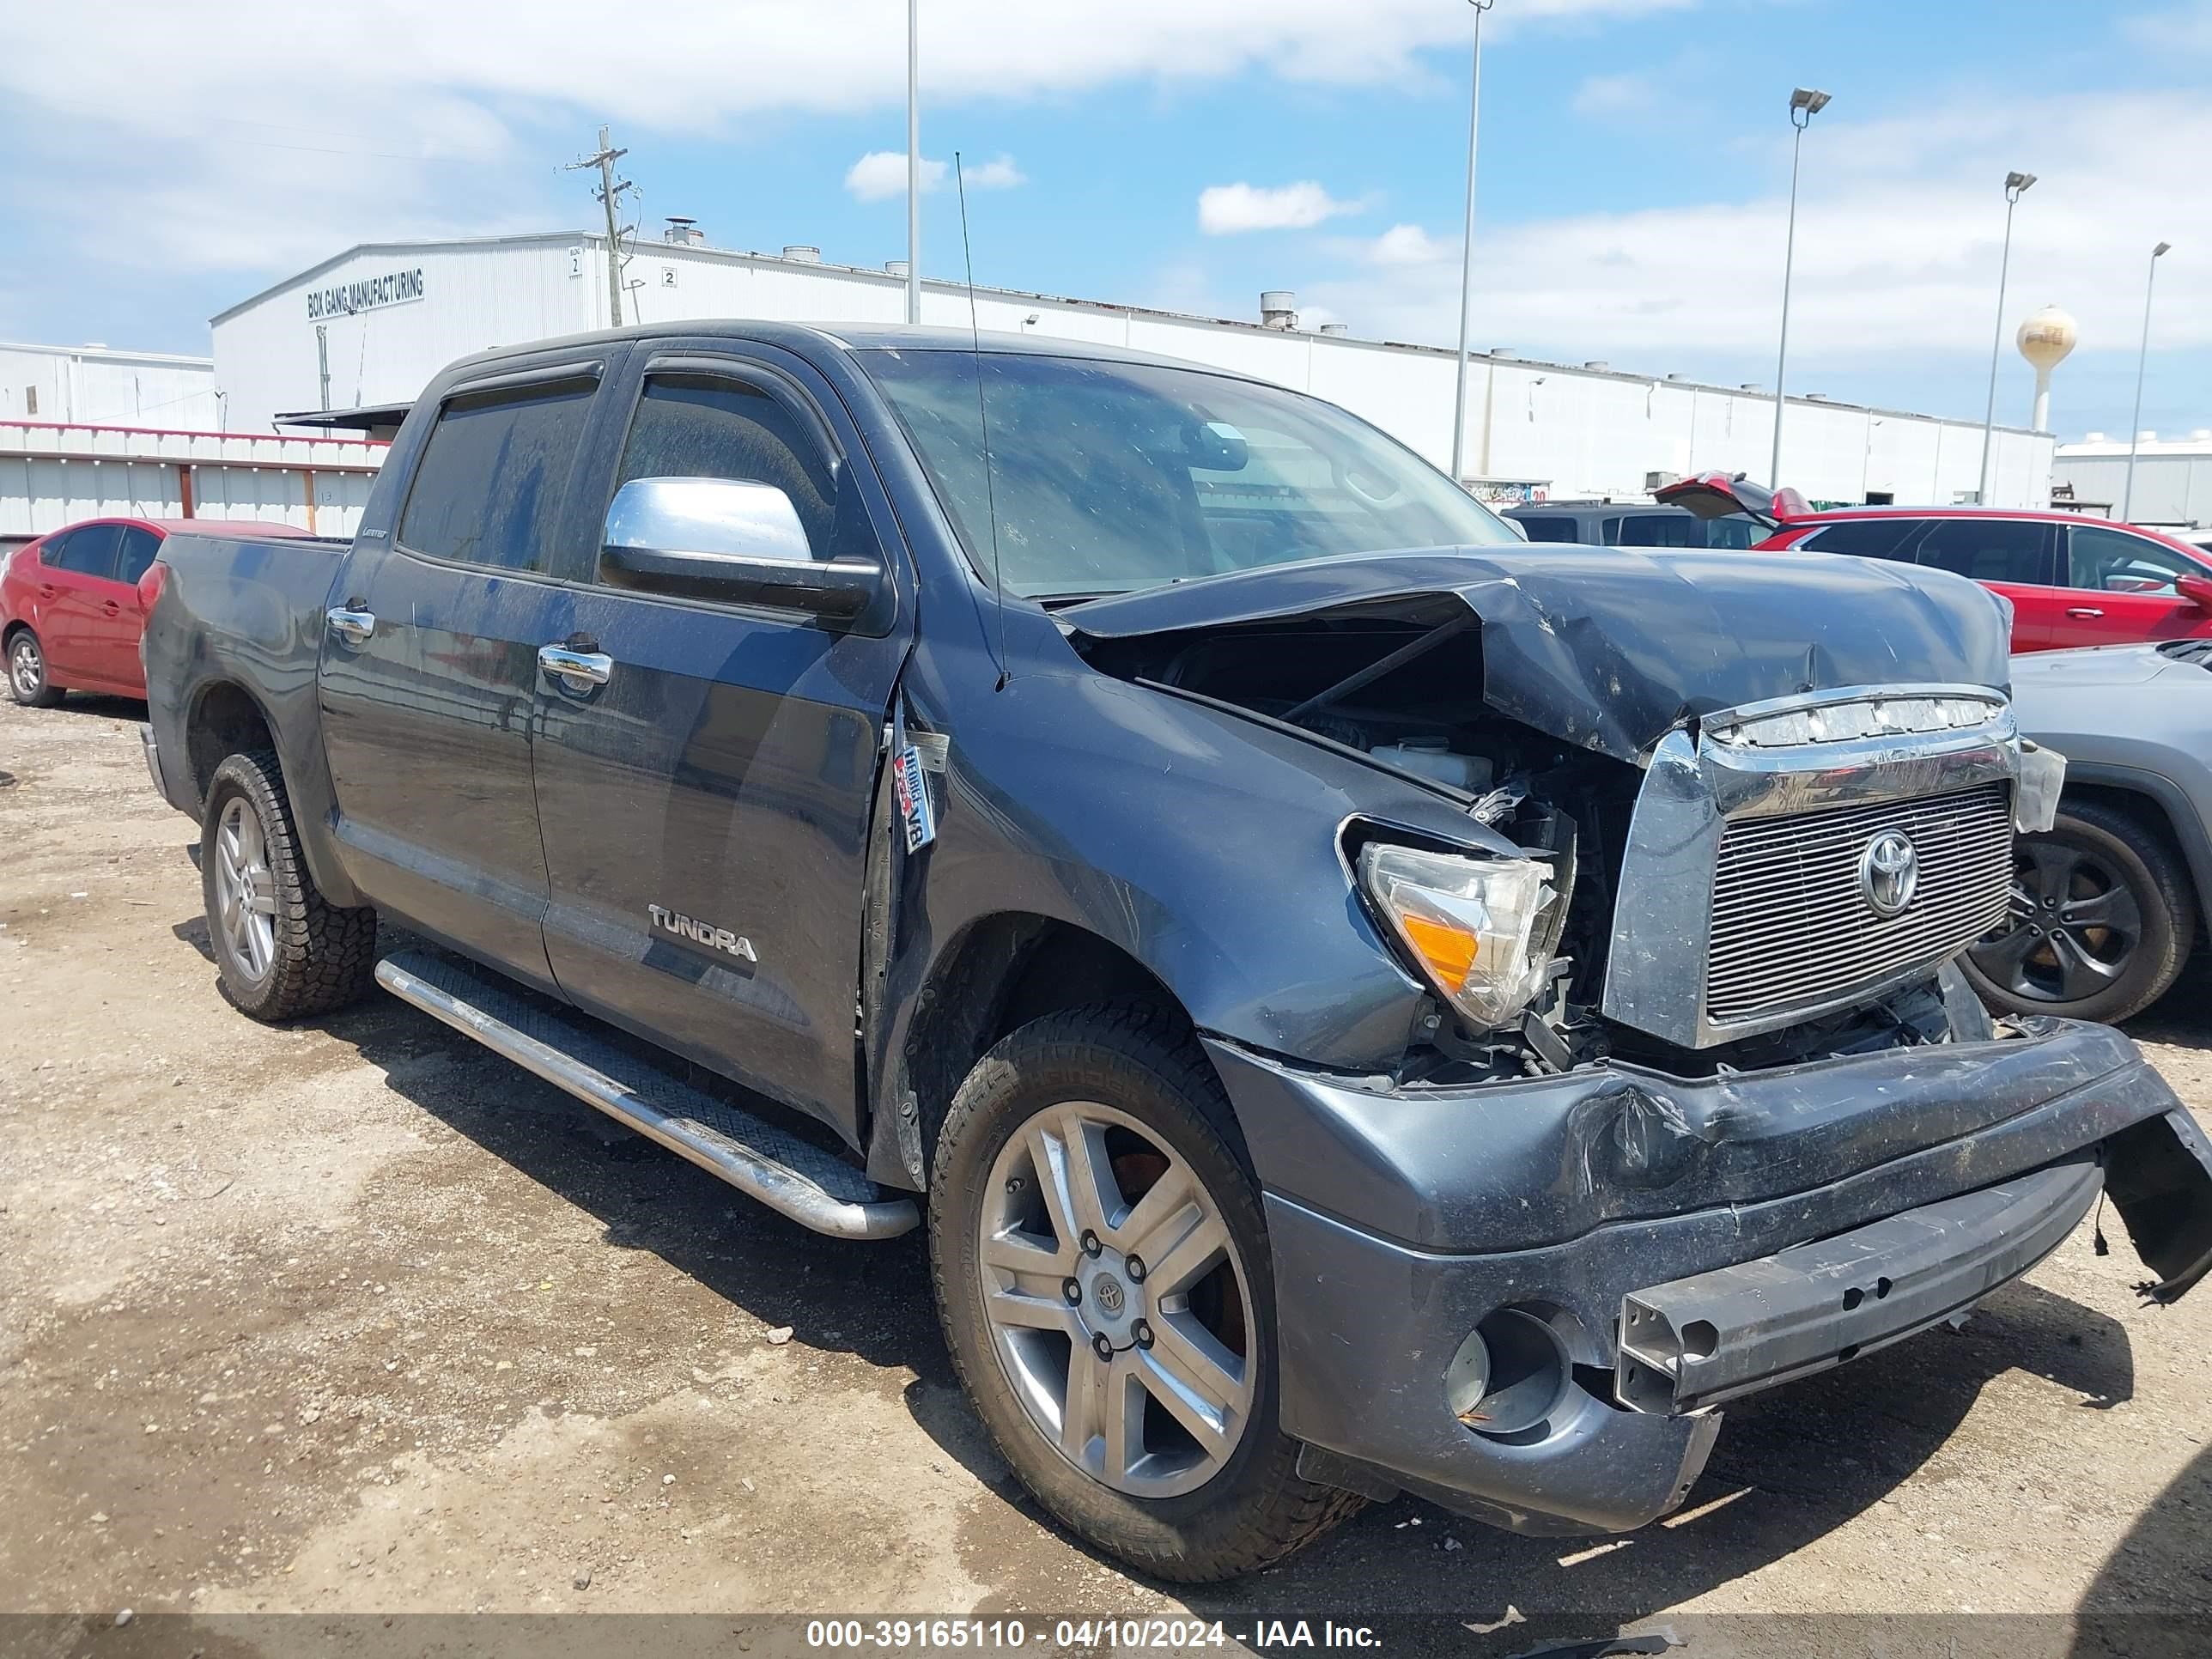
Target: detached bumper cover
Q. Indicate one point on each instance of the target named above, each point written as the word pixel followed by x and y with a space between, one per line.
pixel 1695 1342
pixel 1754 1203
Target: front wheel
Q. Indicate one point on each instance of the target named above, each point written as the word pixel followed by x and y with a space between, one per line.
pixel 27 672
pixel 2100 922
pixel 1101 1270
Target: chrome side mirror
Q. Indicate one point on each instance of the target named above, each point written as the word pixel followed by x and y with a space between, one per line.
pixel 731 540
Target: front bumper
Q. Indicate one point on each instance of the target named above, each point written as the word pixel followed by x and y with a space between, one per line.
pixel 1752 1219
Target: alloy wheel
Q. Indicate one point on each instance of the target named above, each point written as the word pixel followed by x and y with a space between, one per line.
pixel 24 667
pixel 2071 925
pixel 1116 1301
pixel 245 889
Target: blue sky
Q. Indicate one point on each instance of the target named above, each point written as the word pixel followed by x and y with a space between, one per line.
pixel 1634 164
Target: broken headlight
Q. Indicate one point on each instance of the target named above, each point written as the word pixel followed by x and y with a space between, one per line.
pixel 1474 925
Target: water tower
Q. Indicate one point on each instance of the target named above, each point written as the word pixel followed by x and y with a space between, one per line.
pixel 2044 340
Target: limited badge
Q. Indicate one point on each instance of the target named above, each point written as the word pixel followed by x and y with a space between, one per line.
pixel 915 811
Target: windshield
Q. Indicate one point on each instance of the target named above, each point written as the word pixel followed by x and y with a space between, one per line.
pixel 1106 477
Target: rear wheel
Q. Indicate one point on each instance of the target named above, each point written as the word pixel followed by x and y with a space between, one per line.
pixel 1102 1274
pixel 2100 922
pixel 284 949
pixel 27 672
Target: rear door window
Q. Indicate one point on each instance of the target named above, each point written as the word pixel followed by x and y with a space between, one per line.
pixel 1550 527
pixel 488 488
pixel 1867 539
pixel 1991 550
pixel 88 550
pixel 1660 530
pixel 2113 561
pixel 139 547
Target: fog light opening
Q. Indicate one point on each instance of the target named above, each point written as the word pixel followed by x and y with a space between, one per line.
pixel 1508 1375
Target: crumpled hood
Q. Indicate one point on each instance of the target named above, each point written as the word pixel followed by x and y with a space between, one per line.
pixel 1611 649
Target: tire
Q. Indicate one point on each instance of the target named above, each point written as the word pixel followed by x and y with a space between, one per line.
pixel 27 672
pixel 1121 1082
pixel 2125 920
pixel 304 955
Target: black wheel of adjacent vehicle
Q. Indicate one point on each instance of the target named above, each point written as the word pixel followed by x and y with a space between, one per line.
pixel 2100 922
pixel 283 949
pixel 27 672
pixel 1101 1270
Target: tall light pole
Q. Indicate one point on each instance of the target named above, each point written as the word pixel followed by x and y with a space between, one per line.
pixel 913 161
pixel 1804 104
pixel 2015 183
pixel 1467 242
pixel 2142 358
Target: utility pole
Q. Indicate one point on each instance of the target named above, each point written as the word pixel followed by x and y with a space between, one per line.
pixel 323 361
pixel 609 193
pixel 1467 256
pixel 913 161
pixel 2014 183
pixel 1805 103
pixel 2143 361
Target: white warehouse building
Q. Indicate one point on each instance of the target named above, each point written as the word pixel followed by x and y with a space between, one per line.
pixel 2173 482
pixel 366 330
pixel 88 432
pixel 94 386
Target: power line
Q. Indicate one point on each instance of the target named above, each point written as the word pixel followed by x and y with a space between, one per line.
pixel 610 195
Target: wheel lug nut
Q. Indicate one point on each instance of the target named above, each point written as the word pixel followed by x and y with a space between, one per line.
pixel 1072 1291
pixel 1141 1331
pixel 1091 1247
pixel 1136 1266
pixel 1102 1348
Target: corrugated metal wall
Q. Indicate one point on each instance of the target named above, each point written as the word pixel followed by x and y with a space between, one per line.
pixel 51 476
pixel 2170 489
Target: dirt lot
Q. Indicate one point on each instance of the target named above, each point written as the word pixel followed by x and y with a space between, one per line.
pixel 354 1316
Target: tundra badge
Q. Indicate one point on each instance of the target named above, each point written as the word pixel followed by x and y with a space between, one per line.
pixel 699 933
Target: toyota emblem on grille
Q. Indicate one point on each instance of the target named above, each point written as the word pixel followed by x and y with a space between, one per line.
pixel 1889 873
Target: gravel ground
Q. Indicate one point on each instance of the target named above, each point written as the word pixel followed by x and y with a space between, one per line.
pixel 354 1317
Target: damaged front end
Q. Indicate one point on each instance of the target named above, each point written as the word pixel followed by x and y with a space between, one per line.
pixel 1729 821
pixel 1698 750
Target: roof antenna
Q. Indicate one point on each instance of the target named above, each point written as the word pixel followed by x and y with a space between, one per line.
pixel 984 419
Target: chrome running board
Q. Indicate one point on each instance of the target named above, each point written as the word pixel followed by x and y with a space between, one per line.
pixel 794 1177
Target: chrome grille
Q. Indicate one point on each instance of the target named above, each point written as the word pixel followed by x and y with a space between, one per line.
pixel 1789 928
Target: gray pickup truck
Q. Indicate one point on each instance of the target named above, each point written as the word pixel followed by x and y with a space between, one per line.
pixel 1362 1004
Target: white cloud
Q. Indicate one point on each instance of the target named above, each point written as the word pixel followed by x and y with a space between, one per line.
pixel 285 133
pixel 1898 229
pixel 999 174
pixel 880 175
pixel 2184 28
pixel 1409 244
pixel 1605 97
pixel 1229 210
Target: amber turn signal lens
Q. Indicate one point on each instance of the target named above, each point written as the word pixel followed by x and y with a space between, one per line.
pixel 1446 952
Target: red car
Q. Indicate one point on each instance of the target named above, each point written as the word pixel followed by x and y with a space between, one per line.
pixel 73 603
pixel 2072 581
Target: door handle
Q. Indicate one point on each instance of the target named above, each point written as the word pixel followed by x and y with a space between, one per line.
pixel 2083 611
pixel 48 590
pixel 110 607
pixel 350 627
pixel 579 670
